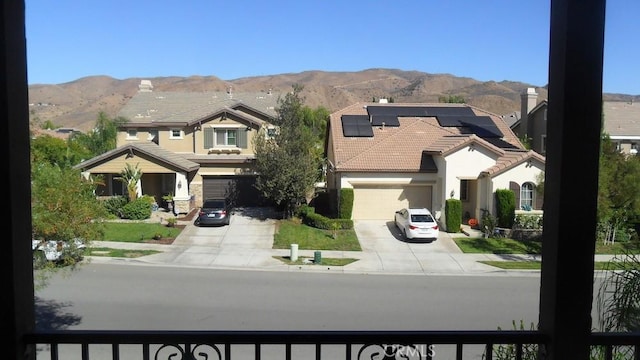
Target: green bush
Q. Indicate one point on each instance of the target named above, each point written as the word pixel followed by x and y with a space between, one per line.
pixel 505 207
pixel 453 215
pixel 345 208
pixel 138 209
pixel 311 218
pixel 115 204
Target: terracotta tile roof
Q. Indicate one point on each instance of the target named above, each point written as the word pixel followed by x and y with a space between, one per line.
pixel 511 158
pixel 399 149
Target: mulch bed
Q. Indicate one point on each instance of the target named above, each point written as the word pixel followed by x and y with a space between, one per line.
pixel 164 240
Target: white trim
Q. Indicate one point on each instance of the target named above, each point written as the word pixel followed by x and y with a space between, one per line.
pixel 624 137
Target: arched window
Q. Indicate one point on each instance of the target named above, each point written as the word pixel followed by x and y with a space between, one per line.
pixel 526 196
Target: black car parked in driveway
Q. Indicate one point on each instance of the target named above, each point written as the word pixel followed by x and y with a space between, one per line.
pixel 214 212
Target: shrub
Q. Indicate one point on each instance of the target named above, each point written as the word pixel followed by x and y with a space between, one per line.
pixel 345 208
pixel 523 221
pixel 138 209
pixel 453 215
pixel 311 218
pixel 171 222
pixel 505 207
pixel 115 204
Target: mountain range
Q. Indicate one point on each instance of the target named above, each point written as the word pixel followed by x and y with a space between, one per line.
pixel 76 104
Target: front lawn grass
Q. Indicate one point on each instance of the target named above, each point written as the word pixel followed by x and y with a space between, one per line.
pixel 497 246
pixel 137 232
pixel 307 260
pixel 309 238
pixel 535 265
pixel 109 252
pixel 510 246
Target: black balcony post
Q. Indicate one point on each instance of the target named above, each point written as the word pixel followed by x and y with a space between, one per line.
pixel 571 175
pixel 17 311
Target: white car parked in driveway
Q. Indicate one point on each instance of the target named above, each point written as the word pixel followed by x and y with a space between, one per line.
pixel 417 223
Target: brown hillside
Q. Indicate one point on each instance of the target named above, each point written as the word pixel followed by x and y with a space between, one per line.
pixel 77 104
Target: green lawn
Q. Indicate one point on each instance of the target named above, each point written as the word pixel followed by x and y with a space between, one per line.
pixel 304 260
pixel 535 265
pixel 510 246
pixel 137 231
pixel 109 252
pixel 309 238
pixel 497 246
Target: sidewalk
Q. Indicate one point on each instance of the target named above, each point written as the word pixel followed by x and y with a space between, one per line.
pixel 251 249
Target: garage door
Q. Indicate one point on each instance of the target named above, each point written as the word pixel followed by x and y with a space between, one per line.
pixel 381 201
pixel 239 189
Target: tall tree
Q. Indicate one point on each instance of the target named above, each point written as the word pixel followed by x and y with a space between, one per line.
pixel 287 163
pixel 618 190
pixel 103 136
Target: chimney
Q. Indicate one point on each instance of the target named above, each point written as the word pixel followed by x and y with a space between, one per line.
pixel 145 86
pixel 529 100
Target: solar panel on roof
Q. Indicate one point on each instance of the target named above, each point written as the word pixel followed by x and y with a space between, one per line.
pixel 387 120
pixel 482 126
pixel 449 110
pixel 356 126
pixel 401 111
pixel 449 120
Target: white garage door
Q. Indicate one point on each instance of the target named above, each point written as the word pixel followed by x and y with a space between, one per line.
pixel 371 202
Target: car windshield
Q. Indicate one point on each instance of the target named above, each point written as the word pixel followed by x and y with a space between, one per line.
pixel 421 218
pixel 214 204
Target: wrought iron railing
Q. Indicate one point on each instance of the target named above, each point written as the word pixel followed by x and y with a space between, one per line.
pixel 298 345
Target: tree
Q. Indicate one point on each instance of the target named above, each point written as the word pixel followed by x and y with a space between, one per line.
pixel 103 136
pixel 618 191
pixel 52 150
pixel 64 208
pixel 287 163
pixel 452 99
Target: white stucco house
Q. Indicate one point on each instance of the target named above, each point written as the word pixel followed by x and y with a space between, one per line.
pixel 419 155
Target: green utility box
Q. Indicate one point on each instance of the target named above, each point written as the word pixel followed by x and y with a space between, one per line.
pixel 317 257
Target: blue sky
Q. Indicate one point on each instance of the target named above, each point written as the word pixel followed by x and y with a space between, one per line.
pixel 484 40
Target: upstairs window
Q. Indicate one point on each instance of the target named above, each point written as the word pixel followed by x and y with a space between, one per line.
pixel 132 134
pixel 175 134
pixel 225 137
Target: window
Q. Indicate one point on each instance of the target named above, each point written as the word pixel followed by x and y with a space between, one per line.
pixel 175 134
pixel 526 196
pixel 132 134
pixel 271 133
pixel 224 137
pixel 543 144
pixel 464 190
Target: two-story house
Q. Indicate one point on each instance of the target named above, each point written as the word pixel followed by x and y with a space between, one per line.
pixel 188 145
pixel 621 121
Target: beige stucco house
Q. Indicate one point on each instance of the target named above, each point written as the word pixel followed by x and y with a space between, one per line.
pixel 189 145
pixel 419 155
pixel 621 121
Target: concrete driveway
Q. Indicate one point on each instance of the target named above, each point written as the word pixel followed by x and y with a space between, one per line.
pixel 245 242
pixel 385 250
